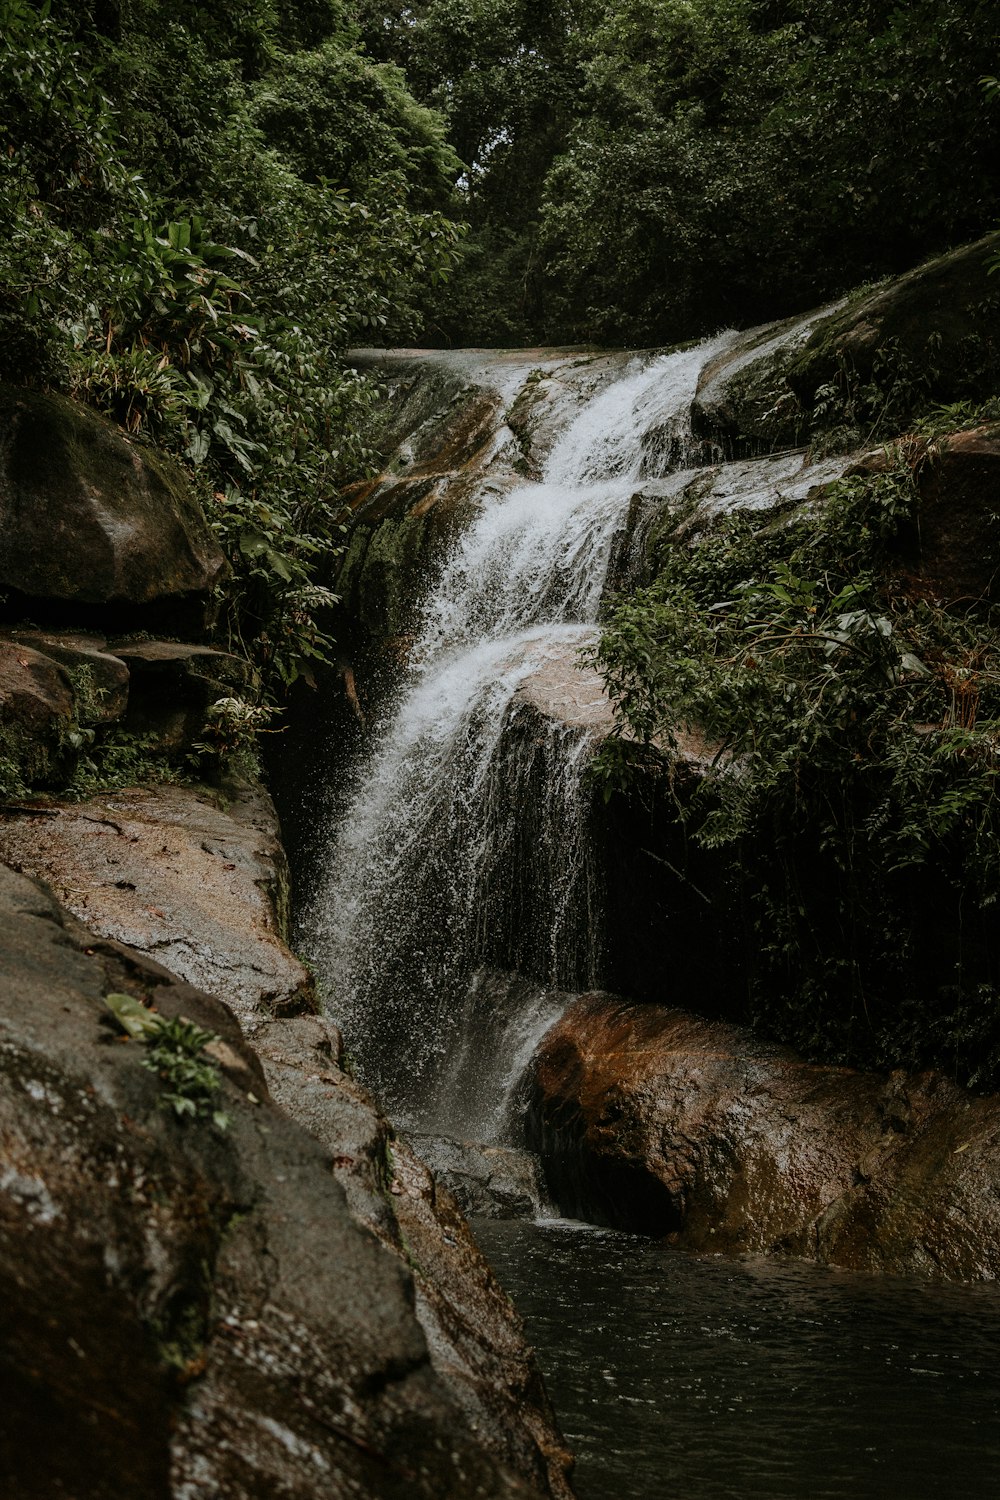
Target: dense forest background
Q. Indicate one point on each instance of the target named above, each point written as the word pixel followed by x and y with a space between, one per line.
pixel 204 205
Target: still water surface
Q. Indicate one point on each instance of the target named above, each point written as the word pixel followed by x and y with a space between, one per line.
pixel 684 1378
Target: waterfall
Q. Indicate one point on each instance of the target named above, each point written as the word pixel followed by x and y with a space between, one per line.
pixel 465 845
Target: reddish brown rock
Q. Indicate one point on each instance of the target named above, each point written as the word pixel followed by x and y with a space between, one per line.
pixel 100 680
pixel 957 550
pixel 655 1120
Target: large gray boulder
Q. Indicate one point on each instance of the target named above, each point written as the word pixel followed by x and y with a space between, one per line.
pixel 200 882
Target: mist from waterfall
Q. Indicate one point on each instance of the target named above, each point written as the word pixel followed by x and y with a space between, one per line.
pixel 466 843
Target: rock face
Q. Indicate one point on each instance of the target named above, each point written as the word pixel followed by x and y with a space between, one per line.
pixel 932 335
pixel 88 518
pixel 940 322
pixel 187 1312
pixel 957 548
pixel 203 887
pixel 36 713
pixel 154 694
pixel 651 1119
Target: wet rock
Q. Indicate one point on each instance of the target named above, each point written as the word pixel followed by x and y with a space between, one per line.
pixel 401 522
pixel 744 402
pixel 90 519
pixel 185 1311
pixel 652 1119
pixel 475 1337
pixel 173 683
pixel 936 329
pixel 957 548
pixel 36 714
pixel 490 1182
pixel 173 873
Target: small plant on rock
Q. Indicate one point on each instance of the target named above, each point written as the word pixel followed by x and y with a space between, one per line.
pixel 176 1053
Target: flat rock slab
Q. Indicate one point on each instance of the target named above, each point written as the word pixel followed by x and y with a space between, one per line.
pixel 653 1119
pixel 171 873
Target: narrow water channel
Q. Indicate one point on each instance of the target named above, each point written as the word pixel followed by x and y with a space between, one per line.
pixel 683 1378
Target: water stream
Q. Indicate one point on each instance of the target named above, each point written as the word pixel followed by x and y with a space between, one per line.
pixel 683 1378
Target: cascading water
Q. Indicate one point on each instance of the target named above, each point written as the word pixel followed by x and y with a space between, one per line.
pixel 466 843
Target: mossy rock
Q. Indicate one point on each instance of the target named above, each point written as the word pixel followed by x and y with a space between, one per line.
pixel 36 717
pixel 89 518
pixel 939 325
pixel 837 379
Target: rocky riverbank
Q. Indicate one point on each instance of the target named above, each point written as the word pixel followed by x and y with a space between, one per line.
pixel 290 1302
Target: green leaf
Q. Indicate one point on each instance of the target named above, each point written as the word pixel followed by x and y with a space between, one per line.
pixel 132 1016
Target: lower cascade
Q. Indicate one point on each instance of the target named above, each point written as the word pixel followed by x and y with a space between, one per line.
pixel 466 843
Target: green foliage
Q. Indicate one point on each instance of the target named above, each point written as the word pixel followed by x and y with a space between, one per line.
pixel 204 207
pixel 852 734
pixel 176 1053
pixel 734 159
pixel 230 736
pixel 646 170
pixel 116 758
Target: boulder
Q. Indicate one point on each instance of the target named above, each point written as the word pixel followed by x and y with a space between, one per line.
pixel 940 322
pixel 89 518
pixel 173 683
pixel 99 680
pixel 863 366
pixel 956 551
pixel 203 887
pixel 952 552
pixel 186 1310
pixel 475 1337
pixel 651 1119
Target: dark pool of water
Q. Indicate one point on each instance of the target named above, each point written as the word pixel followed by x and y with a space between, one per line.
pixel 698 1379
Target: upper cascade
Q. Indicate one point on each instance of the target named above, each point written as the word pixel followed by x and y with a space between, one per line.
pixel 539 554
